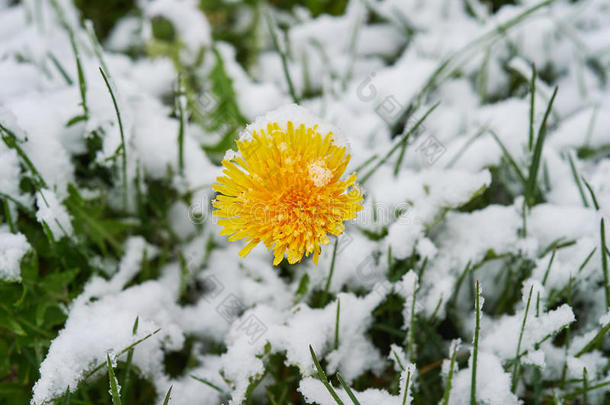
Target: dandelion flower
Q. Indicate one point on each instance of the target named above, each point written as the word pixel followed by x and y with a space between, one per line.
pixel 283 187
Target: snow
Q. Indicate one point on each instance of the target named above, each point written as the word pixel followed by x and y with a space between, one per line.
pixel 53 214
pixel 12 249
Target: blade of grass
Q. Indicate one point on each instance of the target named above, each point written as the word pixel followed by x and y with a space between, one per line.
pixel 517 362
pixel 466 145
pixel 7 216
pixel 337 324
pixel 585 387
pixel 330 274
pixel 398 361
pixel 405 395
pixel 11 141
pixel 595 341
pixel 125 350
pixel 283 58
pixel 322 377
pixel 123 145
pixel 114 391
pixel 548 267
pixel 447 393
pixel 404 138
pixel 475 345
pixel 577 393
pixel 60 69
pixel 181 106
pixel 449 65
pixel 531 185
pixel 66 400
pixel 593 197
pixel 208 383
pixel 509 157
pixel 411 334
pixel 347 389
pixel 532 102
pixel 365 164
pixel 577 180
pixel 97 47
pixel 134 331
pixel 604 254
pixel 589 256
pixel 82 82
pixel 167 396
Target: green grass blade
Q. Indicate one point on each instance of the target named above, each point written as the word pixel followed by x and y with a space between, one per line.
pixel 517 363
pixel 283 58
pixel 347 389
pixel 548 267
pixel 12 142
pixel 466 145
pixel 114 390
pixel 595 341
pixel 125 350
pixel 577 393
pixel 447 393
pixel 82 82
pixel 123 145
pixel 66 400
pixel 400 365
pixel 322 377
pixel 405 395
pixel 604 254
pixel 180 107
pixel 576 177
pixel 404 139
pixel 337 324
pixel 593 197
pixel 475 345
pixel 208 383
pixel 531 186
pixel 97 47
pixel 129 360
pixel 509 157
pixel 60 69
pixel 532 102
pixel 411 334
pixel 330 273
pixel 167 396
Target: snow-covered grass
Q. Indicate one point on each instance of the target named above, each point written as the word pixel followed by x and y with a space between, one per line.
pixel 476 272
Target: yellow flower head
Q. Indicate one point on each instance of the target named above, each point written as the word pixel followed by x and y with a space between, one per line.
pixel 283 188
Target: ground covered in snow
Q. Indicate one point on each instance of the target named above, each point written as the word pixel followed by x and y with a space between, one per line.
pixel 476 273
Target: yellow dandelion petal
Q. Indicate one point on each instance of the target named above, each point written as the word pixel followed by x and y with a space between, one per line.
pixel 284 188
